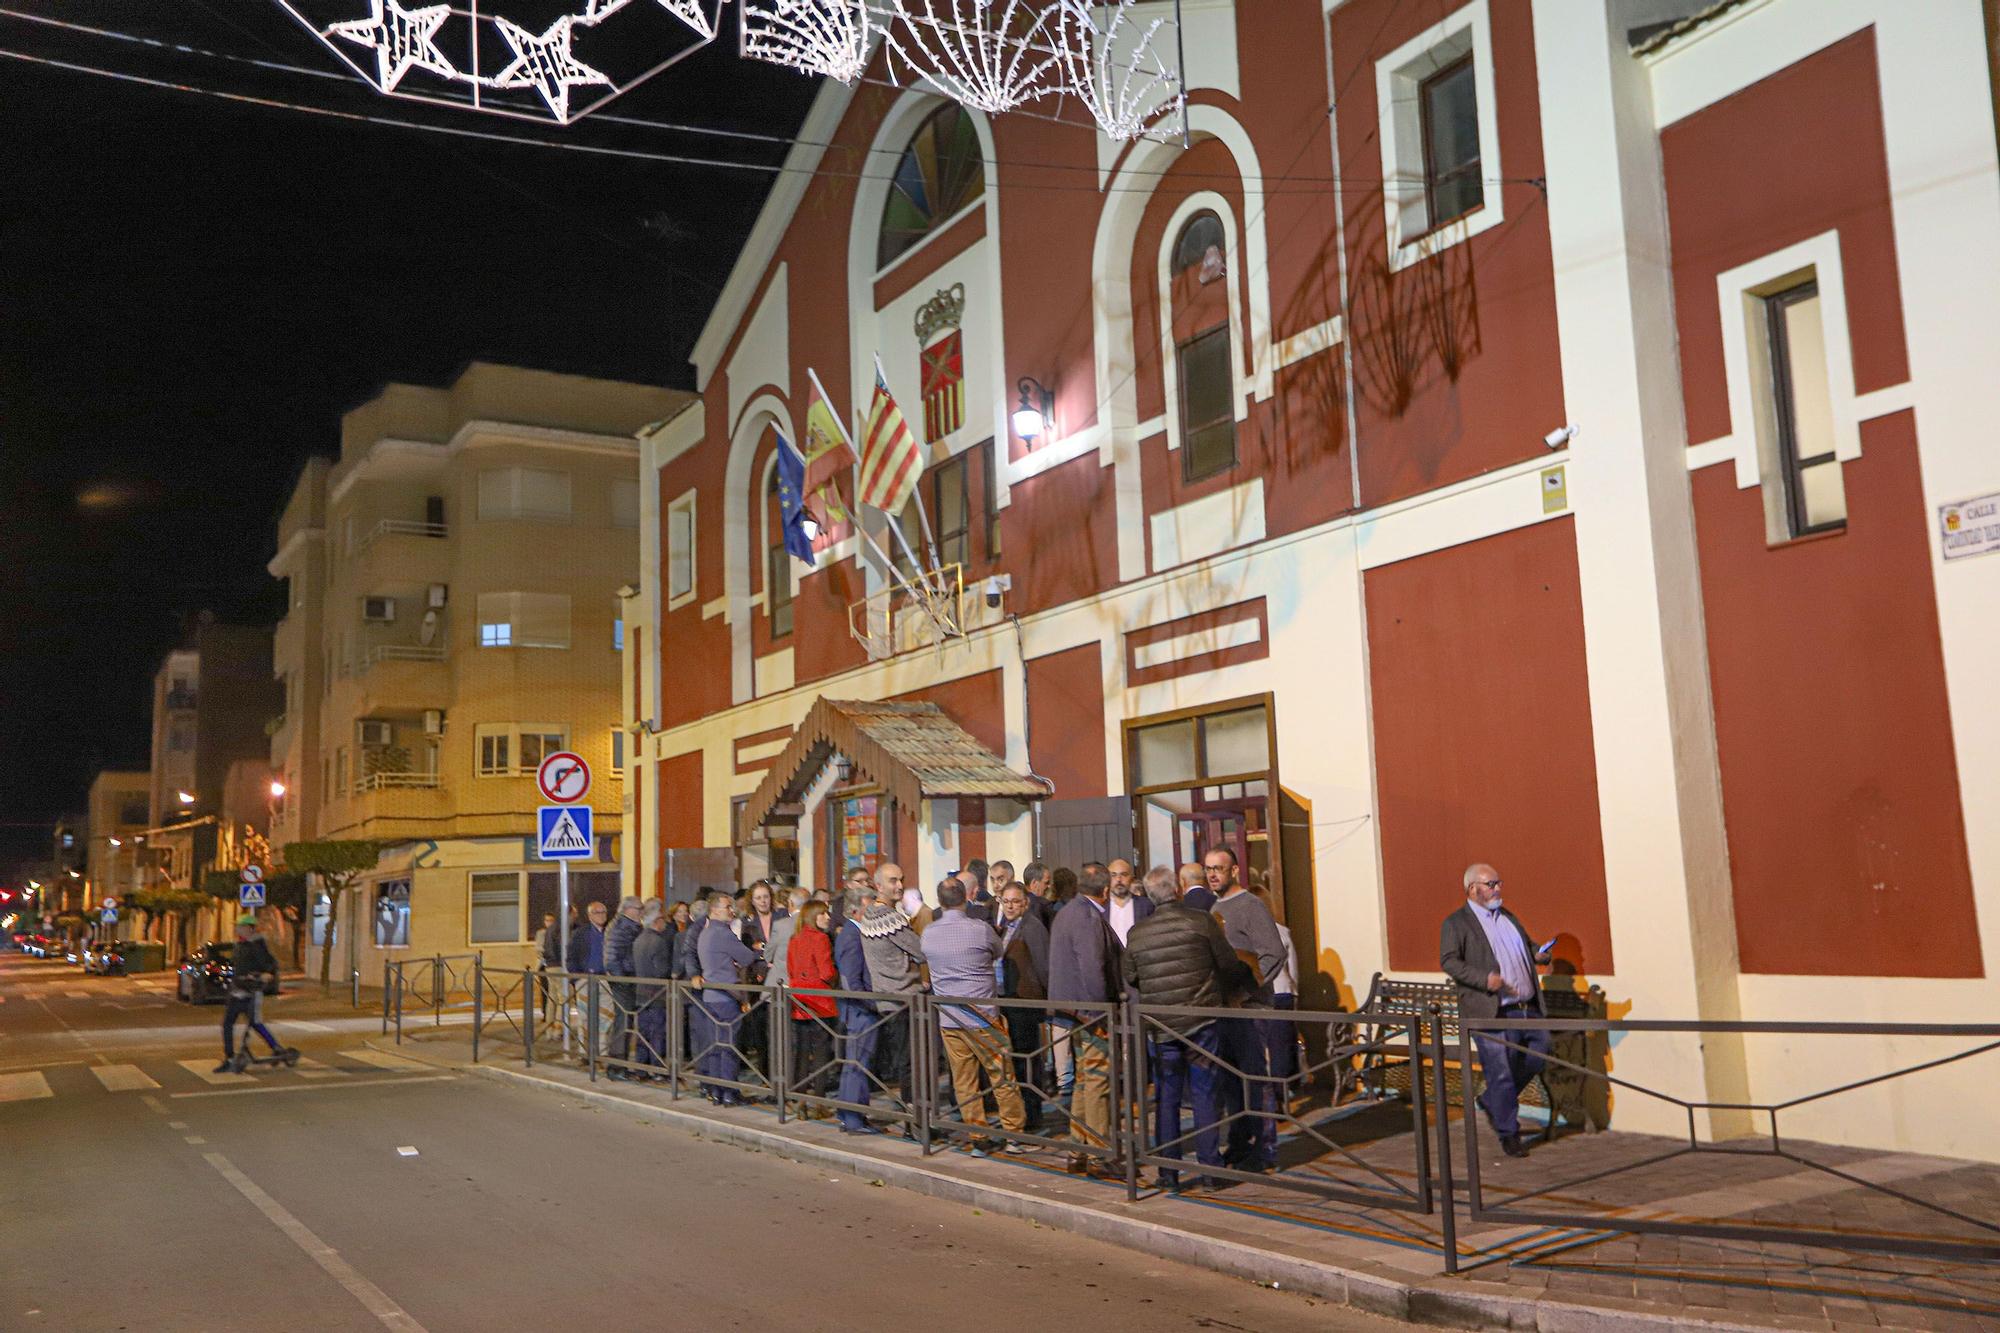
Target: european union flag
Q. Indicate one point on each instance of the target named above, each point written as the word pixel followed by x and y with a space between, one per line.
pixel 792 499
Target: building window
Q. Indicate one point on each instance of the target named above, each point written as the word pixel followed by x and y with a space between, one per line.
pixel 1801 411
pixel 524 492
pixel 1448 102
pixel 180 737
pixel 1202 243
pixel 624 504
pixel 945 498
pixel 340 770
pixel 617 634
pixel 1440 140
pixel 1207 407
pixel 618 752
pixel 777 565
pixel 495 753
pixel 939 175
pixel 392 914
pixel 523 620
pixel 680 551
pixel 495 917
pixel 512 749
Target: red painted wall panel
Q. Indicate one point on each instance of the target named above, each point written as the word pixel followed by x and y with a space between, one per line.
pixel 680 801
pixel 1739 188
pixel 974 703
pixel 1066 720
pixel 1483 745
pixel 1839 778
pixel 1457 361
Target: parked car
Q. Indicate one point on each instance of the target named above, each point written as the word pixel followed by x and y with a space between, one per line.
pixel 205 974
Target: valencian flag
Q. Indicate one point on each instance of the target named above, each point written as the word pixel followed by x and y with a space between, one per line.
pixel 890 462
pixel 792 500
pixel 829 452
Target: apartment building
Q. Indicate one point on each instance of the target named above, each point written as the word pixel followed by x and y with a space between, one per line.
pixel 120 812
pixel 454 616
pixel 1549 453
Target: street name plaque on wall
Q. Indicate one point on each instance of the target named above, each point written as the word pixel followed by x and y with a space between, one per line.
pixel 1970 527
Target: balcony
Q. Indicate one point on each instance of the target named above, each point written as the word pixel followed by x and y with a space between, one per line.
pixel 375 782
pixel 401 527
pixel 182 699
pixel 400 652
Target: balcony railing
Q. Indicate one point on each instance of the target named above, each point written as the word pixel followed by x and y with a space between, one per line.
pixel 400 652
pixel 398 782
pixel 400 527
pixel 182 699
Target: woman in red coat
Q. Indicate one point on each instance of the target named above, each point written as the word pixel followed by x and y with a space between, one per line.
pixel 809 966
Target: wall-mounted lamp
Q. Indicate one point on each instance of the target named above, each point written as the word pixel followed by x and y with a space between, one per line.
pixel 186 797
pixel 117 842
pixel 1037 405
pixel 277 791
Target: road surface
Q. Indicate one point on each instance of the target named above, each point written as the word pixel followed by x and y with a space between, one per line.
pixel 363 1192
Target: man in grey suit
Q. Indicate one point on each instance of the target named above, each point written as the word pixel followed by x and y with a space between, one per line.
pixel 1486 950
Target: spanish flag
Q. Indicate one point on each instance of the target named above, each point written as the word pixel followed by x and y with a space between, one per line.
pixel 828 453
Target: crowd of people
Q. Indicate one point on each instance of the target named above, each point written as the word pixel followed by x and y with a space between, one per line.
pixel 1069 944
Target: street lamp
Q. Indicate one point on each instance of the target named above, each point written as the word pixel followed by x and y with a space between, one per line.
pixel 117 842
pixel 277 791
pixel 186 797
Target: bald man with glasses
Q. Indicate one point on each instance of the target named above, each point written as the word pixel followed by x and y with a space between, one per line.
pixel 1488 953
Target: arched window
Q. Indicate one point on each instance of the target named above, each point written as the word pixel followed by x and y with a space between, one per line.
pixel 1201 236
pixel 777 564
pixel 1204 356
pixel 940 172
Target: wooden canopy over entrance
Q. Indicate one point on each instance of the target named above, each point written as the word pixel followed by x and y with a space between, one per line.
pixel 913 750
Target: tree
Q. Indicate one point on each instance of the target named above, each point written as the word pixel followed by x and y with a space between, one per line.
pixel 338 864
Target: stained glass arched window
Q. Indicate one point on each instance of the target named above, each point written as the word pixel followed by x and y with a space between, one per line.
pixel 940 172
pixel 1202 234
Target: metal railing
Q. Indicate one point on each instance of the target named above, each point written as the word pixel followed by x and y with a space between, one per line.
pixel 400 652
pixel 813 1064
pixel 1624 1218
pixel 399 527
pixel 387 781
pixel 438 984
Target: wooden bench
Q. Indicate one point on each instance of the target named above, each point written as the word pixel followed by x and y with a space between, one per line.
pixel 1567 1094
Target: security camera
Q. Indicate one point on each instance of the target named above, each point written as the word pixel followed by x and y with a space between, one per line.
pixel 1559 437
pixel 995 585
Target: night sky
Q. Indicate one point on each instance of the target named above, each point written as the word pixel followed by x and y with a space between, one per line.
pixel 193 290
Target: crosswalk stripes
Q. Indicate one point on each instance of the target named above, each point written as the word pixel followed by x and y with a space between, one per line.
pixel 311 1068
pixel 205 1071
pixel 123 1078
pixel 382 1059
pixel 76 995
pixel 24 1087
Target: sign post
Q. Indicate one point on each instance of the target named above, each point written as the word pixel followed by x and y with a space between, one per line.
pixel 250 894
pixel 564 779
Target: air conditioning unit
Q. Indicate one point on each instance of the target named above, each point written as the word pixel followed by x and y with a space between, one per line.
pixel 373 731
pixel 434 722
pixel 379 609
pixel 437 595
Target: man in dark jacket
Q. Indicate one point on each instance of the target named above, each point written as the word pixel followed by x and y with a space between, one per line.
pixel 653 958
pixel 1178 956
pixel 586 957
pixel 687 944
pixel 1041 894
pixel 1024 975
pixel 621 997
pixel 1084 966
pixel 1486 950
pixel 860 1024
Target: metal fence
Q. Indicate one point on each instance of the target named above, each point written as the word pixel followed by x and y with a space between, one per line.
pixel 437 985
pixel 949 1069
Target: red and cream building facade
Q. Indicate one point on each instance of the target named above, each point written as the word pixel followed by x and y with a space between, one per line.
pixel 1540 455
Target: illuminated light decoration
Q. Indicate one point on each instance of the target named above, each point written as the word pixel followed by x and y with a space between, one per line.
pixel 1119 71
pixel 829 37
pixel 545 62
pixel 992 55
pixel 458 56
pixel 402 39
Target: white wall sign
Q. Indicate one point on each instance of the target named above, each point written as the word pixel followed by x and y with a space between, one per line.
pixel 1970 527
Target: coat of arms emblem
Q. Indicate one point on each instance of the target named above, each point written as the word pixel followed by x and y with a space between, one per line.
pixel 941 362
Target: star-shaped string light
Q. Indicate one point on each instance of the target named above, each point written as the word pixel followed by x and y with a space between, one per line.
pixel 544 63
pixel 403 39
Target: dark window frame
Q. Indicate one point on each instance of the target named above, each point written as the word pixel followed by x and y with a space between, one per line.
pixel 1784 412
pixel 1434 180
pixel 930 489
pixel 1189 470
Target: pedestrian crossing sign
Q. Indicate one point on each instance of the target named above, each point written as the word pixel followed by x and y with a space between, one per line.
pixel 565 833
pixel 250 895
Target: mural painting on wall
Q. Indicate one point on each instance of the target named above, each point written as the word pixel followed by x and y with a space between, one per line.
pixel 941 363
pixel 861 833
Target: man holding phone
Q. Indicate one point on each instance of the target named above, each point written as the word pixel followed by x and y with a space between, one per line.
pixel 1486 950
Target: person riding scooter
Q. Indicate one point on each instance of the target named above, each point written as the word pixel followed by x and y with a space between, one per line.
pixel 250 962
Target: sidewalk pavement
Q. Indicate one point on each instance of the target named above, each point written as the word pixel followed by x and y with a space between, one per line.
pixel 1388 1262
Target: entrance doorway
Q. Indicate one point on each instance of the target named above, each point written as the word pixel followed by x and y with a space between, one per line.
pixel 1203 779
